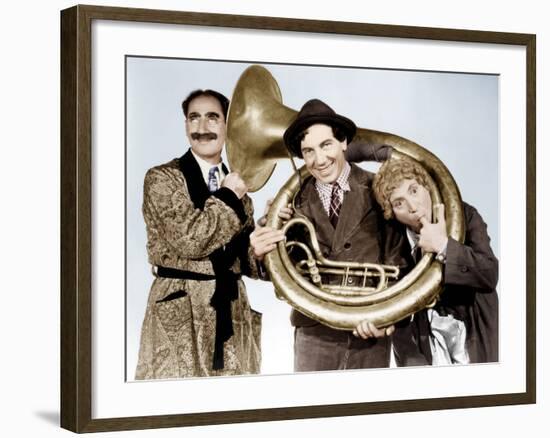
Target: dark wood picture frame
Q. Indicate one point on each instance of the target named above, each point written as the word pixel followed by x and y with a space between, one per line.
pixel 76 217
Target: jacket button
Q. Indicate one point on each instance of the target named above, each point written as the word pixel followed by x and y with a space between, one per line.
pixel 464 269
pixel 347 245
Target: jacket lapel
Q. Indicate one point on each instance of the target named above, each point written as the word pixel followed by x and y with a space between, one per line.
pixel 312 208
pixel 357 204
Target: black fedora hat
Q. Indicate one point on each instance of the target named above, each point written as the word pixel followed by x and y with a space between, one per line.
pixel 315 111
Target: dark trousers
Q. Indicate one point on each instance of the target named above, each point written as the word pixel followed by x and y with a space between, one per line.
pixel 321 348
pixel 411 345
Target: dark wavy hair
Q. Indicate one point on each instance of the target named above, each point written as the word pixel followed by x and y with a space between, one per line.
pixel 224 101
pixel 390 175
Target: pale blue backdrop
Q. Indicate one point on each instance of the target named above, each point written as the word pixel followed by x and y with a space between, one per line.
pixel 454 115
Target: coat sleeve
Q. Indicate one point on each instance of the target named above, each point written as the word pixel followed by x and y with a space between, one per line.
pixel 473 263
pixel 360 150
pixel 171 215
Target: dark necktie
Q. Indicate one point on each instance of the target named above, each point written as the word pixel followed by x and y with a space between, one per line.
pixel 417 254
pixel 335 204
pixel 212 180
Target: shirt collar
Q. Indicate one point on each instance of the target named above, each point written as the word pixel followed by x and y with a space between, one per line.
pixel 206 166
pixel 342 180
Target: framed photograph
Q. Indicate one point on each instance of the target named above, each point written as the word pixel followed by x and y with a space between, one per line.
pixel 466 96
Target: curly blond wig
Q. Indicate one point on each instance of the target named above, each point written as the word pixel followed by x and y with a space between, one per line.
pixel 390 175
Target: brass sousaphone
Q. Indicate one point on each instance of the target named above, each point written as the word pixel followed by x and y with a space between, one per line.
pixel 256 122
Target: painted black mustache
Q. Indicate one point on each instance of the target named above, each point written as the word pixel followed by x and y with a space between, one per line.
pixel 204 136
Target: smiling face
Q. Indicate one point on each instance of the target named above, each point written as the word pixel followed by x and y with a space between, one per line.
pixel 411 201
pixel 323 153
pixel 205 128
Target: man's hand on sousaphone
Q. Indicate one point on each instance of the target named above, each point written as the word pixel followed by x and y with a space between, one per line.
pixel 264 239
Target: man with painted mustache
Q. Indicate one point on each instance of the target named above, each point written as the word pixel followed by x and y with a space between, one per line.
pixel 198 320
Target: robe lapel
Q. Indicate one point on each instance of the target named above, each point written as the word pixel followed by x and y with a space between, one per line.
pixel 227 288
pixel 197 188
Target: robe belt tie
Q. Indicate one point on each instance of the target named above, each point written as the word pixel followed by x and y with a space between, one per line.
pixel 226 291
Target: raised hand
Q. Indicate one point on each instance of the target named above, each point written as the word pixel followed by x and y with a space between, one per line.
pixel 234 182
pixel 285 214
pixel 433 237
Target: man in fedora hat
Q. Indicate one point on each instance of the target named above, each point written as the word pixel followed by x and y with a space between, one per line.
pixel 349 224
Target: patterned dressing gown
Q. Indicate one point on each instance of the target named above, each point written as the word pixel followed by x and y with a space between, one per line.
pixel 177 337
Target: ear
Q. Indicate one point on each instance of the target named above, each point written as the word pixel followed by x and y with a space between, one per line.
pixel 344 144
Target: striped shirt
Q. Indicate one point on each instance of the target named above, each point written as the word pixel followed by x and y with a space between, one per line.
pixel 325 190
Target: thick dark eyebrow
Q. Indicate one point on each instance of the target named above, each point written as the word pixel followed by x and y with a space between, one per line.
pixel 211 114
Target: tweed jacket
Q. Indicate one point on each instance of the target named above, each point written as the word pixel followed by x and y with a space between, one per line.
pixel 469 294
pixel 361 235
pixel 177 338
